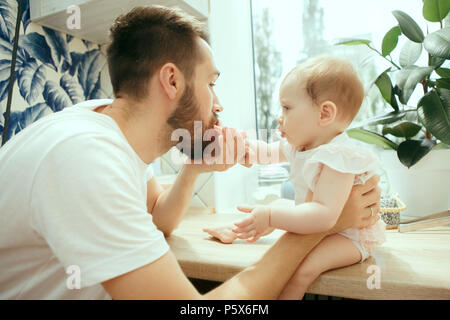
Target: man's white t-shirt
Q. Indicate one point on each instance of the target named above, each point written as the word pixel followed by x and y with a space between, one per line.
pixel 73 206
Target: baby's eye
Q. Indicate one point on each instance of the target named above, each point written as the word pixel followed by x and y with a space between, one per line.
pixel 285 108
pixel 212 84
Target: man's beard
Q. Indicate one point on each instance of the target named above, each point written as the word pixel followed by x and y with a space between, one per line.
pixel 184 117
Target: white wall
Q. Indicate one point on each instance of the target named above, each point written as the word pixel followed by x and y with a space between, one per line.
pixel 231 41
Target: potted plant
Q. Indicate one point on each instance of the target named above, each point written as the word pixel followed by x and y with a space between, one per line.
pixel 415 139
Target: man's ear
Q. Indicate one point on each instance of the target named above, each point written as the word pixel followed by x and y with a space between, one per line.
pixel 328 112
pixel 171 80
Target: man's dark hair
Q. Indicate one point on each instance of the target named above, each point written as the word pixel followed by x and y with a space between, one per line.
pixel 146 38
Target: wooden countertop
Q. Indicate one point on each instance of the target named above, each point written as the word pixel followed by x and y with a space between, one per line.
pixel 413 265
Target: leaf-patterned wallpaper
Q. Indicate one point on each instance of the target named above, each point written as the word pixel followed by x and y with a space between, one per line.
pixel 53 70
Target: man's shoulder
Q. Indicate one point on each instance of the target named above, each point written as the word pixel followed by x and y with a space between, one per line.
pixel 92 146
pixel 82 138
pixel 92 104
pixel 81 127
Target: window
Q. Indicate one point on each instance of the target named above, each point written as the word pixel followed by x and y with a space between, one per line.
pixel 286 32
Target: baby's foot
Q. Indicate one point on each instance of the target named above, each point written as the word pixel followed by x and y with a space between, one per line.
pixel 224 234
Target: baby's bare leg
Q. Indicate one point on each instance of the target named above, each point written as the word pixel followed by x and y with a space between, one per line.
pixel 223 233
pixel 334 251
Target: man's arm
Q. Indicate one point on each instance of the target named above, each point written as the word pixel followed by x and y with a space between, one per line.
pixel 168 206
pixel 164 279
pixel 279 262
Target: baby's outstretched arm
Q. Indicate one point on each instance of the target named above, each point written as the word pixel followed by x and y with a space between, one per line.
pixel 330 195
pixel 226 233
pixel 261 152
pixel 242 227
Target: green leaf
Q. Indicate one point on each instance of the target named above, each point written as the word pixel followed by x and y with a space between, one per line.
pixel 403 130
pixel 435 62
pixel 408 78
pixel 352 41
pixel 408 26
pixel 443 72
pixel 390 40
pixel 410 53
pixel 438 43
pixel 410 152
pixel 443 83
pixel 386 119
pixel 384 84
pixel 371 138
pixel 433 111
pixel 435 10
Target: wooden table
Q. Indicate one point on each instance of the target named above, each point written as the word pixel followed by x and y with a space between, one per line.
pixel 413 265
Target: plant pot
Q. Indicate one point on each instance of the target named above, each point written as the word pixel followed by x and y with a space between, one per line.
pixel 425 187
pixel 390 209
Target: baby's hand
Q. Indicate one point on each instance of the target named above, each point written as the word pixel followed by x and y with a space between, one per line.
pixel 255 226
pixel 243 152
pixel 249 150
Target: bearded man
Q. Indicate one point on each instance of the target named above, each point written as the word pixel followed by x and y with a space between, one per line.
pixel 79 195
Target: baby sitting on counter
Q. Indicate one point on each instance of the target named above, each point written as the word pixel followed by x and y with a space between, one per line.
pixel 319 99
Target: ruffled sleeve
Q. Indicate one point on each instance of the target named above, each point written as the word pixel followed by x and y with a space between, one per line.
pixel 343 158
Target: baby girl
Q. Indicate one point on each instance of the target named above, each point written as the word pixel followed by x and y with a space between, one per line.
pixel 319 99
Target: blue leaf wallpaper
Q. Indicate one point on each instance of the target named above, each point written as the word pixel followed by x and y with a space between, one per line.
pixel 8 13
pixel 53 70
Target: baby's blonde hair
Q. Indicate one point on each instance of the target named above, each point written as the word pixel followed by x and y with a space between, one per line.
pixel 328 78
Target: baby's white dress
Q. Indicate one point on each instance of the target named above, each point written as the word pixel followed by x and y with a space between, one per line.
pixel 343 155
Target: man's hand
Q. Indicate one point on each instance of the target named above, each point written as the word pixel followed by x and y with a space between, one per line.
pixel 254 226
pixel 230 148
pixel 362 202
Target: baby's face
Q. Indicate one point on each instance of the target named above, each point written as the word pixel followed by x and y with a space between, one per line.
pixel 299 119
